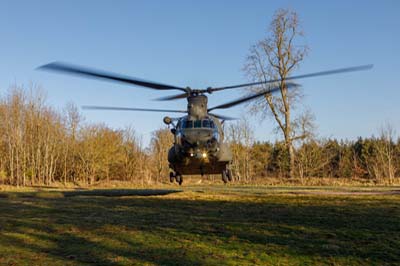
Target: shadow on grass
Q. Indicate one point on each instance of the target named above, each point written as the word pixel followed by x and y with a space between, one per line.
pixel 91 193
pixel 121 192
pixel 164 231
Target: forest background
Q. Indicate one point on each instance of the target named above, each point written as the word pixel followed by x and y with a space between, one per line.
pixel 42 146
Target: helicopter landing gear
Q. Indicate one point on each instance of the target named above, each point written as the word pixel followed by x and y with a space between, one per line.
pixel 178 178
pixel 229 174
pixel 175 176
pixel 226 175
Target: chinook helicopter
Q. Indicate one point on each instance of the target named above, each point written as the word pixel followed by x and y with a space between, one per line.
pixel 199 146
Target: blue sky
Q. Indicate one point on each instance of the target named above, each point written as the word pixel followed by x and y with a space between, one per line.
pixel 201 44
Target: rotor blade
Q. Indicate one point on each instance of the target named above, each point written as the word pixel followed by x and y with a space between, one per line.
pixel 251 97
pixel 173 97
pixel 91 73
pixel 223 117
pixel 322 73
pixel 91 107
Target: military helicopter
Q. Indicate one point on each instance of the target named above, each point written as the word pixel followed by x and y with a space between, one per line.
pixel 199 146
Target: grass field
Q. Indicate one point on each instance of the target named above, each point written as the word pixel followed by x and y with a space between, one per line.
pixel 214 225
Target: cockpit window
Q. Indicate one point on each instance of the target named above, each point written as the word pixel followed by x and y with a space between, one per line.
pixel 187 124
pixel 207 123
pixel 197 123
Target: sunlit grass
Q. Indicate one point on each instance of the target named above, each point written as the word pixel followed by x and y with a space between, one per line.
pixel 219 225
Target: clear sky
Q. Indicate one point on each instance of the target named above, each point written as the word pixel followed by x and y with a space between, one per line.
pixel 201 44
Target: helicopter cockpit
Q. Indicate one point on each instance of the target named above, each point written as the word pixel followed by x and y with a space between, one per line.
pixel 204 123
pixel 197 132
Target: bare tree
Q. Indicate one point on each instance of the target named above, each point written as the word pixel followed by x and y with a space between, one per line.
pixel 312 159
pixel 160 143
pixel 276 57
pixel 385 156
pixel 241 139
pixel 72 121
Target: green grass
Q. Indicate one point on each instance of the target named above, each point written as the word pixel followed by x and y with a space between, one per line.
pixel 215 225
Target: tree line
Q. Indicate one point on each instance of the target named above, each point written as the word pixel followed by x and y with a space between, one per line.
pixel 42 146
pixel 373 159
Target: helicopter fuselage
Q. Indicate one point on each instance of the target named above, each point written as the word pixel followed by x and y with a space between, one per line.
pixel 199 146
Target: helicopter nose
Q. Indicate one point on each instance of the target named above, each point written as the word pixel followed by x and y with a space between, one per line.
pixel 198 136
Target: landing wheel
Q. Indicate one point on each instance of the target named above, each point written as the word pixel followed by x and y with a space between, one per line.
pixel 178 178
pixel 224 177
pixel 171 176
pixel 229 174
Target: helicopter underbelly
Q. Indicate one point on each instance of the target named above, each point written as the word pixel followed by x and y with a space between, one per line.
pixel 199 167
pixel 195 165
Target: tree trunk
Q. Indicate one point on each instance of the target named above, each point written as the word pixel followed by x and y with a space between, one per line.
pixel 291 160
